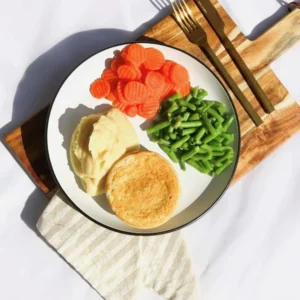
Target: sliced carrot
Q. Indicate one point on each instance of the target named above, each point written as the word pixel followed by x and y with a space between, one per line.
pixel 131 111
pixel 120 91
pixel 155 81
pixel 184 90
pixel 168 90
pixel 115 64
pixel 155 59
pixel 179 75
pixel 120 105
pixel 165 69
pixel 109 74
pixel 148 110
pixel 100 88
pixel 138 73
pixel 124 50
pixel 155 96
pixel 127 72
pixel 135 92
pixel 111 77
pixel 125 58
pixel 136 54
pixel 113 95
pixel 144 73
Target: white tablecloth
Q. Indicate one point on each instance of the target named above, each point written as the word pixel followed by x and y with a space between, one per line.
pixel 247 247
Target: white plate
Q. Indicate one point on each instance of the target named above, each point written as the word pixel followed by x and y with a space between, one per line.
pixel 73 101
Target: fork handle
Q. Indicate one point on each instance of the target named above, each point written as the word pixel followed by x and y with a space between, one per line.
pixel 248 76
pixel 232 85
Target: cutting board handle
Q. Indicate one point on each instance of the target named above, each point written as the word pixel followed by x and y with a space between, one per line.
pixel 293 5
pixel 280 37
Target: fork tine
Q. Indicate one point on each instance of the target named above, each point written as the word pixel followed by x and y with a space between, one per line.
pixel 183 16
pixel 190 14
pixel 186 16
pixel 179 19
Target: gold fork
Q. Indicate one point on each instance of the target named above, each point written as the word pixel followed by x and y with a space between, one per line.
pixel 196 35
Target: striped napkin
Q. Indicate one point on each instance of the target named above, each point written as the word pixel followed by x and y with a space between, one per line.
pixel 118 265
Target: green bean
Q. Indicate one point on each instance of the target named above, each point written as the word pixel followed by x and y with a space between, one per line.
pixel 225 136
pixel 230 140
pixel 172 108
pixel 163 142
pixel 180 142
pixel 173 136
pixel 170 129
pixel 182 165
pixel 227 123
pixel 201 107
pixel 195 91
pixel 202 93
pixel 186 116
pixel 215 143
pixel 174 97
pixel 190 124
pixel 206 147
pixel 188 97
pixel 215 114
pixel 202 156
pixel 210 137
pixel 207 164
pixel 190 154
pixel 170 153
pixel 219 161
pixel 178 122
pixel 221 107
pixel 218 127
pixel 216 148
pixel 158 127
pixel 223 167
pixel 219 139
pixel 187 105
pixel 208 125
pixel 208 104
pixel 192 142
pixel 197 102
pixel 194 130
pixel 156 133
pixel 228 148
pixel 198 167
pixel 200 134
pixel 185 146
pixel 218 153
pixel 188 131
pixel 202 151
pixel 154 138
pixel 194 117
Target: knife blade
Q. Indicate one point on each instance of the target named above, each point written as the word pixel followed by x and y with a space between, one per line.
pixel 215 21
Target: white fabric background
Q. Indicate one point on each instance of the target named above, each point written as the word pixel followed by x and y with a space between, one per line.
pixel 247 247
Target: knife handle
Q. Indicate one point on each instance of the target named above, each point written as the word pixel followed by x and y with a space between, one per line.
pixel 232 84
pixel 248 76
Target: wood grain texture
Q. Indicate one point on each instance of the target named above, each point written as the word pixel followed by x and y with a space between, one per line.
pixel 27 141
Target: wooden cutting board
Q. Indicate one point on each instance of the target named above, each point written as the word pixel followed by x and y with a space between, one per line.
pixel 27 142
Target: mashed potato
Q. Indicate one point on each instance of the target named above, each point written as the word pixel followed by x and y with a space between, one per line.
pixel 98 141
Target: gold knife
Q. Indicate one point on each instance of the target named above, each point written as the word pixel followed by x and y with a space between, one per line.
pixel 212 16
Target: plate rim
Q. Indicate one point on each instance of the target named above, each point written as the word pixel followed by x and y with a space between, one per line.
pixel 142 233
